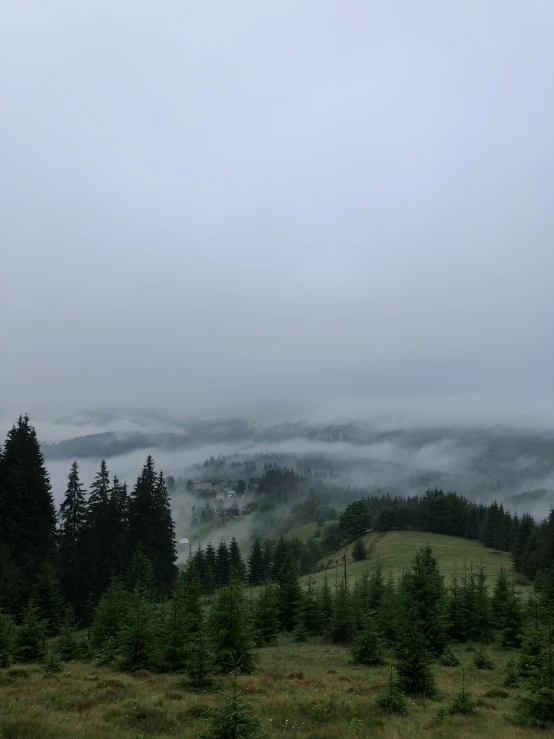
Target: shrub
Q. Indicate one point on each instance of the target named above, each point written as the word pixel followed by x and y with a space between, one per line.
pixel 321 709
pixel 449 658
pixel 511 679
pixel 537 710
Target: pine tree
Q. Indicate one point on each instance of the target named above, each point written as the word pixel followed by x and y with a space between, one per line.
pixel 422 590
pixel 238 568
pixel 118 516
pixel 388 614
pixel 256 564
pixel 326 603
pixel 210 574
pixel 174 636
pixel 340 628
pixel 457 617
pixel 72 541
pixel 512 621
pixel 99 530
pixel 28 520
pixel 66 645
pixel 163 532
pixel 368 649
pixel 137 637
pixel 140 573
pixel 265 616
pixel 231 632
pixel 414 658
pixel 290 593
pixel 199 662
pixel 151 525
pixel 500 599
pixel 359 551
pixel 31 636
pixel 310 616
pixel 108 617
pixel 223 565
pixel 47 598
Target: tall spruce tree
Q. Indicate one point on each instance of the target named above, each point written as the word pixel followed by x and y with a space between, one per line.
pixel 422 591
pixel 99 531
pixel 118 556
pixel 210 575
pixel 223 565
pixel 151 525
pixel 163 531
pixel 265 615
pixel 238 568
pixel 256 564
pixel 28 520
pixel 72 542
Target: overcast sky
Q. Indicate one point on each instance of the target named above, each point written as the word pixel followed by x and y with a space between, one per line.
pixel 222 203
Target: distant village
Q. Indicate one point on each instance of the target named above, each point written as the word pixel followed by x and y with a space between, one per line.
pixel 225 499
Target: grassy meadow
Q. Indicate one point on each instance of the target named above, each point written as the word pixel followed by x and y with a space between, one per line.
pixel 301 691
pixel 397 548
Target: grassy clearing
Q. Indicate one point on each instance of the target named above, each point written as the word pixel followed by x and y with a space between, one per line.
pixel 397 548
pixel 301 691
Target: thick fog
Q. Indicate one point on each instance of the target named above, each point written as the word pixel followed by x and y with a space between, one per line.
pixel 216 206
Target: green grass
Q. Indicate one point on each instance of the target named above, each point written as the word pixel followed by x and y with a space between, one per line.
pixel 291 680
pixel 397 548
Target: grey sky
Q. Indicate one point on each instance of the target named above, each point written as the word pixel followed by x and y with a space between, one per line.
pixel 208 204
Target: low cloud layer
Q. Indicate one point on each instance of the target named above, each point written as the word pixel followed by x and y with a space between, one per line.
pixel 217 207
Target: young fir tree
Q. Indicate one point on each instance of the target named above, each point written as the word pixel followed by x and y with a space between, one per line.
pixel 537 708
pixel 140 573
pixel 359 551
pixel 500 599
pixel 174 637
pixel 267 550
pixel 28 520
pixel 108 617
pixel 238 568
pixel 422 591
pixel 340 628
pixel 47 598
pixel 326 603
pixel 457 617
pixel 290 593
pixel 137 636
pixel 66 645
pixel 72 541
pixel 368 648
pixel 310 616
pixel 199 661
pixel 512 622
pixel 265 616
pixel 99 531
pixel 223 565
pixel 376 586
pixel 414 657
pixel 210 574
pixel 234 719
pixel 7 640
pixel 478 606
pixel 463 702
pixel 256 573
pixel 31 636
pixel 231 632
